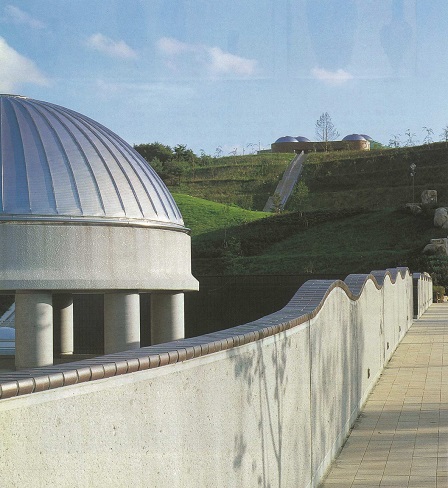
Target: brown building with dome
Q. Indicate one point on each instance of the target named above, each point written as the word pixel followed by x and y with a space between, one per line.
pixel 352 142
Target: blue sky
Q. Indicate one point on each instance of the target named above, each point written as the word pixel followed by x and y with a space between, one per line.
pixel 209 73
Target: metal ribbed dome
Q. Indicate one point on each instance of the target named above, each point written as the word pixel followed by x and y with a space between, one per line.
pixel 286 139
pixel 59 165
pixel 302 139
pixel 366 137
pixel 354 137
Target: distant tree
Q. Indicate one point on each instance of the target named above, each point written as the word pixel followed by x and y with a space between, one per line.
pixel 428 137
pixel 298 197
pixel 182 153
pixel 395 141
pixel 277 206
pixel 253 147
pixel 157 166
pixel 325 130
pixel 205 159
pixel 154 150
pixel 444 135
pixel 376 145
pixel 185 157
pixel 173 170
pixel 218 152
pixel 410 141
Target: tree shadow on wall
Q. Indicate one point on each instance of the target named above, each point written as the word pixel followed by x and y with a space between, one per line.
pixel 336 373
pixel 265 375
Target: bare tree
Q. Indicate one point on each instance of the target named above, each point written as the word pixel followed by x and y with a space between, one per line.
pixel 428 140
pixel 395 141
pixel 325 130
pixel 410 141
pixel 444 135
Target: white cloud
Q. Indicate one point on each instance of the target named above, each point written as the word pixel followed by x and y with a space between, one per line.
pixel 17 69
pixel 226 63
pixel 332 77
pixel 213 60
pixel 15 15
pixel 106 45
pixel 173 47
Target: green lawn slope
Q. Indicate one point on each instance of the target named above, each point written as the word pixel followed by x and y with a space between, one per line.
pixel 332 242
pixel 373 179
pixel 341 179
pixel 246 181
pixel 346 216
pixel 203 216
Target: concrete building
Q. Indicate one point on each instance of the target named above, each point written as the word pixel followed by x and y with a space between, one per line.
pixel 351 142
pixel 82 211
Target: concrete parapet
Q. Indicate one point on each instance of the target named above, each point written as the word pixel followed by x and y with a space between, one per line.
pixel 265 403
pixel 422 291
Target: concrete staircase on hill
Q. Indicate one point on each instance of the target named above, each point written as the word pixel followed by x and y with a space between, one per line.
pixel 287 183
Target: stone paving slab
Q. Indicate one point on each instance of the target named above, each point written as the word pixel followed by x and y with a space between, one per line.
pixel 401 437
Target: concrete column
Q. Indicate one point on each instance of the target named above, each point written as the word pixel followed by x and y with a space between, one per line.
pixel 63 315
pixel 167 317
pixel 121 321
pixel 34 329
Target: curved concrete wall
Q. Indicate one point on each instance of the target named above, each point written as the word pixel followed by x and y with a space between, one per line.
pixel 267 403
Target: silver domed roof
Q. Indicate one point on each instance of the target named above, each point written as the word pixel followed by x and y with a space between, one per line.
pixel 366 137
pixel 286 139
pixel 302 139
pixel 59 165
pixel 354 137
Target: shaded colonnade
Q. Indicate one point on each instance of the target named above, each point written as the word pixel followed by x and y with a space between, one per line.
pixel 82 212
pixel 46 327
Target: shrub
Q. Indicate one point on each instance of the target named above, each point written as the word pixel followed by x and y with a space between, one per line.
pixel 438 293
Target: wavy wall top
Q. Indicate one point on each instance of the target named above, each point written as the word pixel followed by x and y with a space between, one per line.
pixel 303 306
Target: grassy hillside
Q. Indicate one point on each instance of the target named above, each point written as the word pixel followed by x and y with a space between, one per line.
pixel 332 242
pixel 202 216
pixel 374 179
pixel 245 181
pixel 350 214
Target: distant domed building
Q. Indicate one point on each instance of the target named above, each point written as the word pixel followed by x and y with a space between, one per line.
pixel 366 137
pixel 285 139
pixel 354 137
pixel 290 144
pixel 82 211
pixel 298 144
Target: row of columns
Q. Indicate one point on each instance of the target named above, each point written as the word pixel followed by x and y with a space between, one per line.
pixel 34 323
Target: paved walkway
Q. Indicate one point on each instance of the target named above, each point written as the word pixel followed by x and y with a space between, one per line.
pixel 401 436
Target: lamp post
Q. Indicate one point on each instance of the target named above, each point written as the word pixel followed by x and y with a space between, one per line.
pixel 413 168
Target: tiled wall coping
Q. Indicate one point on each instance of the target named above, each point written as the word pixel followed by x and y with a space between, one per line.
pixel 304 305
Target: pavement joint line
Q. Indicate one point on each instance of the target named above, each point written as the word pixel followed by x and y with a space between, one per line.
pixel 404 422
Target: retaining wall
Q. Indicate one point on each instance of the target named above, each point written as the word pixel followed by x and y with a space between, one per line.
pixel 267 403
